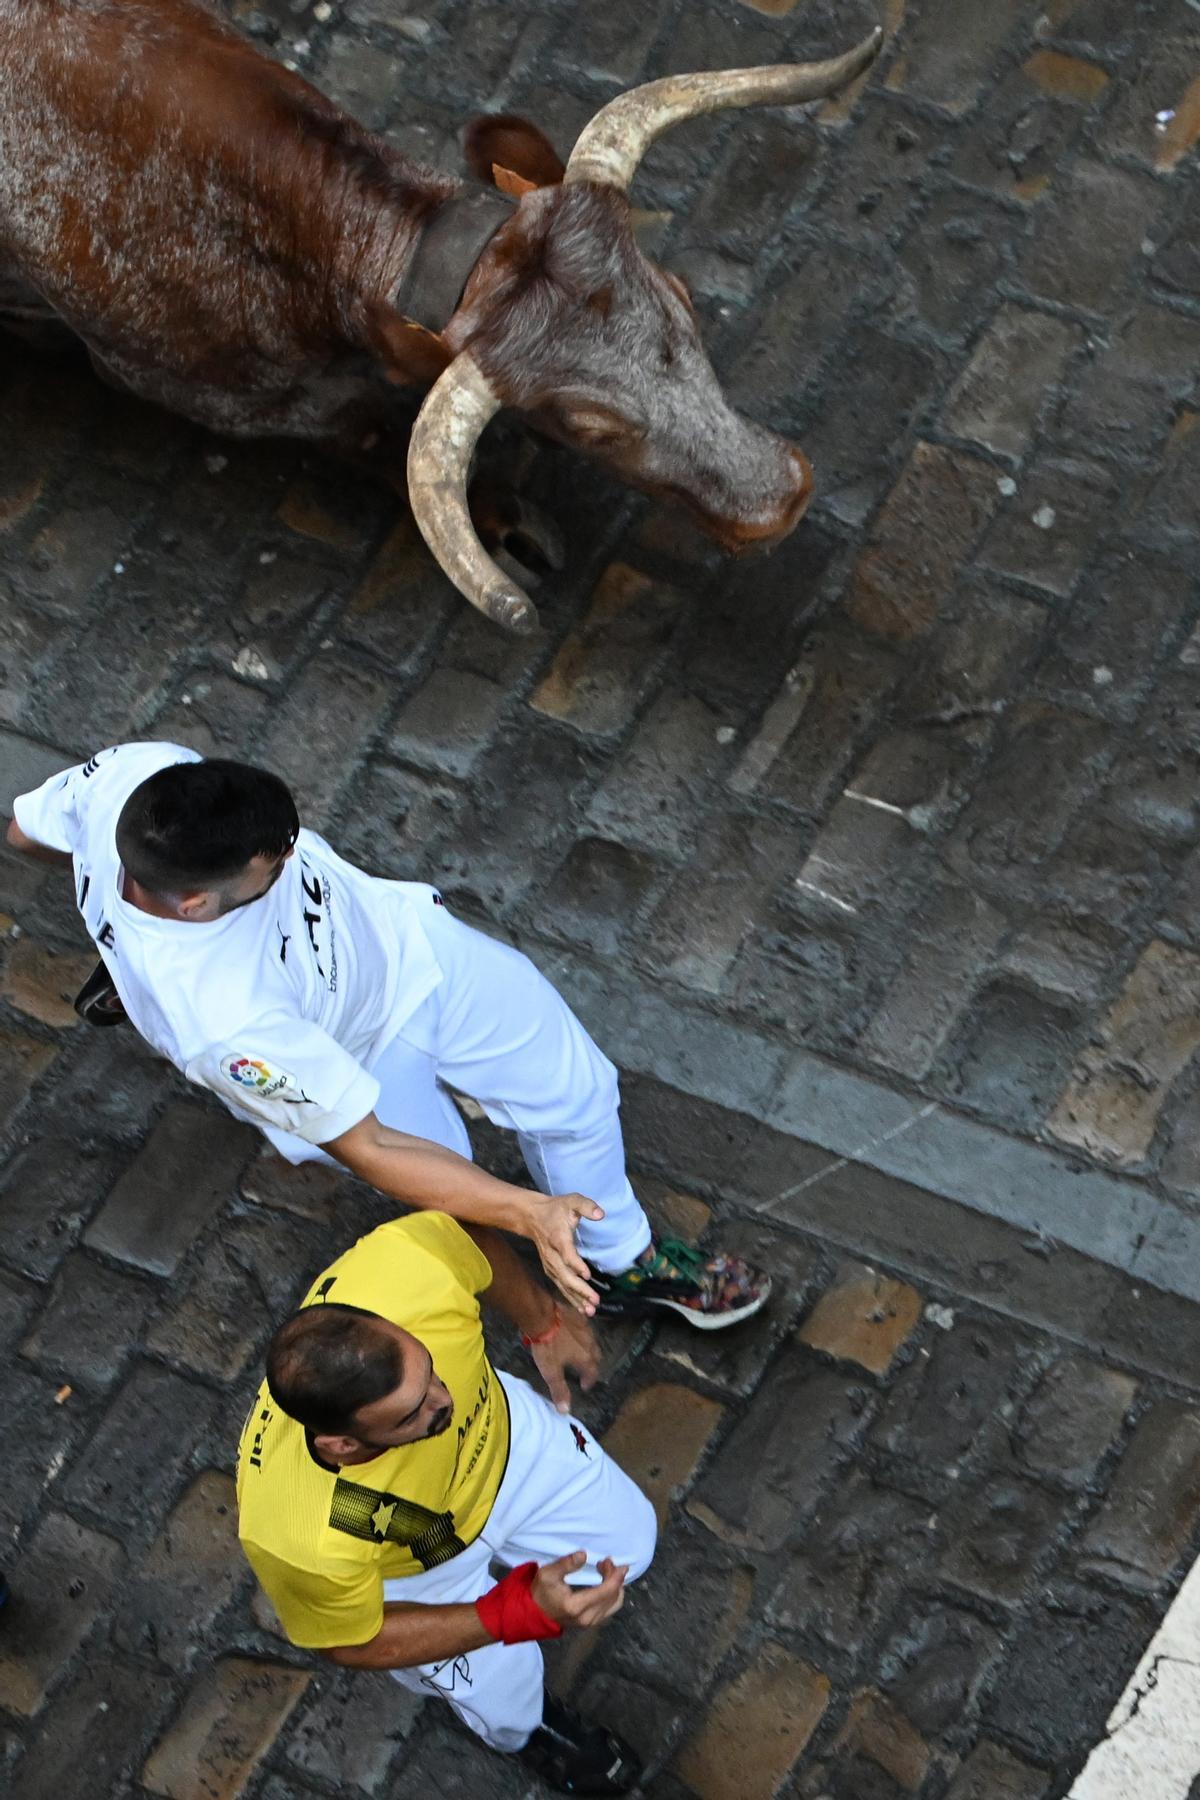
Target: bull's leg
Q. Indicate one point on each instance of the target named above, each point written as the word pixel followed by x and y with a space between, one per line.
pixel 109 376
pixel 521 537
pixel 26 315
pixel 511 528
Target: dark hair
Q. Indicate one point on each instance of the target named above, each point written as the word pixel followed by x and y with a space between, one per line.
pixel 198 823
pixel 329 1360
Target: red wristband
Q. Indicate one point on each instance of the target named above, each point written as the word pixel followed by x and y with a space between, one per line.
pixel 510 1613
pixel 543 1337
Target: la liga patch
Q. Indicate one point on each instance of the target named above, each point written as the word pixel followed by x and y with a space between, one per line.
pixel 256 1076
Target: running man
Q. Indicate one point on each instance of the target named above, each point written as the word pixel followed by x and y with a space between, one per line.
pixel 385 1464
pixel 333 1010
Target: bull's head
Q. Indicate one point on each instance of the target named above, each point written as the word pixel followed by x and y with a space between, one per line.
pixel 566 321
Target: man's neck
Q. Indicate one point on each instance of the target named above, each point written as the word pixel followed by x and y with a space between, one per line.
pixel 350 1461
pixel 144 900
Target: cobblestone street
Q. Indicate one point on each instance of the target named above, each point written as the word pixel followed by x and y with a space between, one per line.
pixel 874 863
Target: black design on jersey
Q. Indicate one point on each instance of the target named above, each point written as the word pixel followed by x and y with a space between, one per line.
pixel 84 885
pixel 482 1399
pixel 380 1517
pixel 285 938
pixel 460 1669
pixel 324 1289
pixel 256 1449
pixel 106 935
pixel 318 921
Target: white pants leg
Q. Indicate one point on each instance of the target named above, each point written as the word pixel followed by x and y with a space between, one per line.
pixel 495 1028
pixel 560 1493
pixel 500 1032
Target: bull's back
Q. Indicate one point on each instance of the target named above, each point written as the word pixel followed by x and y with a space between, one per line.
pixel 176 196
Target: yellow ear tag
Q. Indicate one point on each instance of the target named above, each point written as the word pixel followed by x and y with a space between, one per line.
pixel 510 183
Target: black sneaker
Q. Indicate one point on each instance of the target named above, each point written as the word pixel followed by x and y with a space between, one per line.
pixel 98 1000
pixel 710 1292
pixel 578 1758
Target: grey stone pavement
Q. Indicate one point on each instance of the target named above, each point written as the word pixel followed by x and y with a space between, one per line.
pixel 873 863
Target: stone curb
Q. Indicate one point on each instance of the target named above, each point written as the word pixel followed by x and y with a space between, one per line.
pixel 1112 1220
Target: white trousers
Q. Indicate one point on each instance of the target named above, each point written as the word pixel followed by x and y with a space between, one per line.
pixel 560 1493
pixel 495 1028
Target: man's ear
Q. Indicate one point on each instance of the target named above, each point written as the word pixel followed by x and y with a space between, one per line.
pixel 193 906
pixel 334 1445
pixel 500 148
pixel 411 354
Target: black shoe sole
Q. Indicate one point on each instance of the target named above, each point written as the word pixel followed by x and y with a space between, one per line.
pixel 98 1001
pixel 576 1758
pixel 646 1306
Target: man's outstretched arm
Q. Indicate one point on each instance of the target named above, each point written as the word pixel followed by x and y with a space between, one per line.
pixel 558 1342
pixel 28 846
pixel 428 1176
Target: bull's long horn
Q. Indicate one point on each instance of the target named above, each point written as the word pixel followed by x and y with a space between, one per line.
pixel 611 145
pixel 447 429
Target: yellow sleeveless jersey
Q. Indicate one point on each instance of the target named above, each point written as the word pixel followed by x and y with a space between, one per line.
pixel 322 1541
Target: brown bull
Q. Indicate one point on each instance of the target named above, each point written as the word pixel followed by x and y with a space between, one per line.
pixel 227 242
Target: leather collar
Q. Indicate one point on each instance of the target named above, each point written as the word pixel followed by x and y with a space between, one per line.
pixel 449 248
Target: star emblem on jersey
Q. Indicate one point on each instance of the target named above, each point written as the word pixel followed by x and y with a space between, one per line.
pixel 375 1516
pixel 381 1518
pixel 255 1076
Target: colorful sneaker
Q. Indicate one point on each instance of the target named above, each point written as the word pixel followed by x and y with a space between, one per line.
pixel 710 1292
pixel 578 1758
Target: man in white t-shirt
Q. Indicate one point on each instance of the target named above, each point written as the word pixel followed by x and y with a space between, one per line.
pixel 333 1009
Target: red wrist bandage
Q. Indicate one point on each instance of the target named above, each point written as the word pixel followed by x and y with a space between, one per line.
pixel 543 1337
pixel 511 1614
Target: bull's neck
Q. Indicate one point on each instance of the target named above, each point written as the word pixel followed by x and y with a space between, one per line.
pixel 447 251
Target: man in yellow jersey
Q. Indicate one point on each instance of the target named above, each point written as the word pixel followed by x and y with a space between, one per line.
pixel 385 1464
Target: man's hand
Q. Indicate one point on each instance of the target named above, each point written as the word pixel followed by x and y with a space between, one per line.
pixel 423 1174
pixel 573 1347
pixel 579 1607
pixel 552 1219
pixel 30 847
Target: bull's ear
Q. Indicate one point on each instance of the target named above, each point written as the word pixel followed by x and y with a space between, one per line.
pixel 500 142
pixel 410 353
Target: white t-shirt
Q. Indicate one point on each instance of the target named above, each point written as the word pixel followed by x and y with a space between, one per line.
pixel 279 1008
